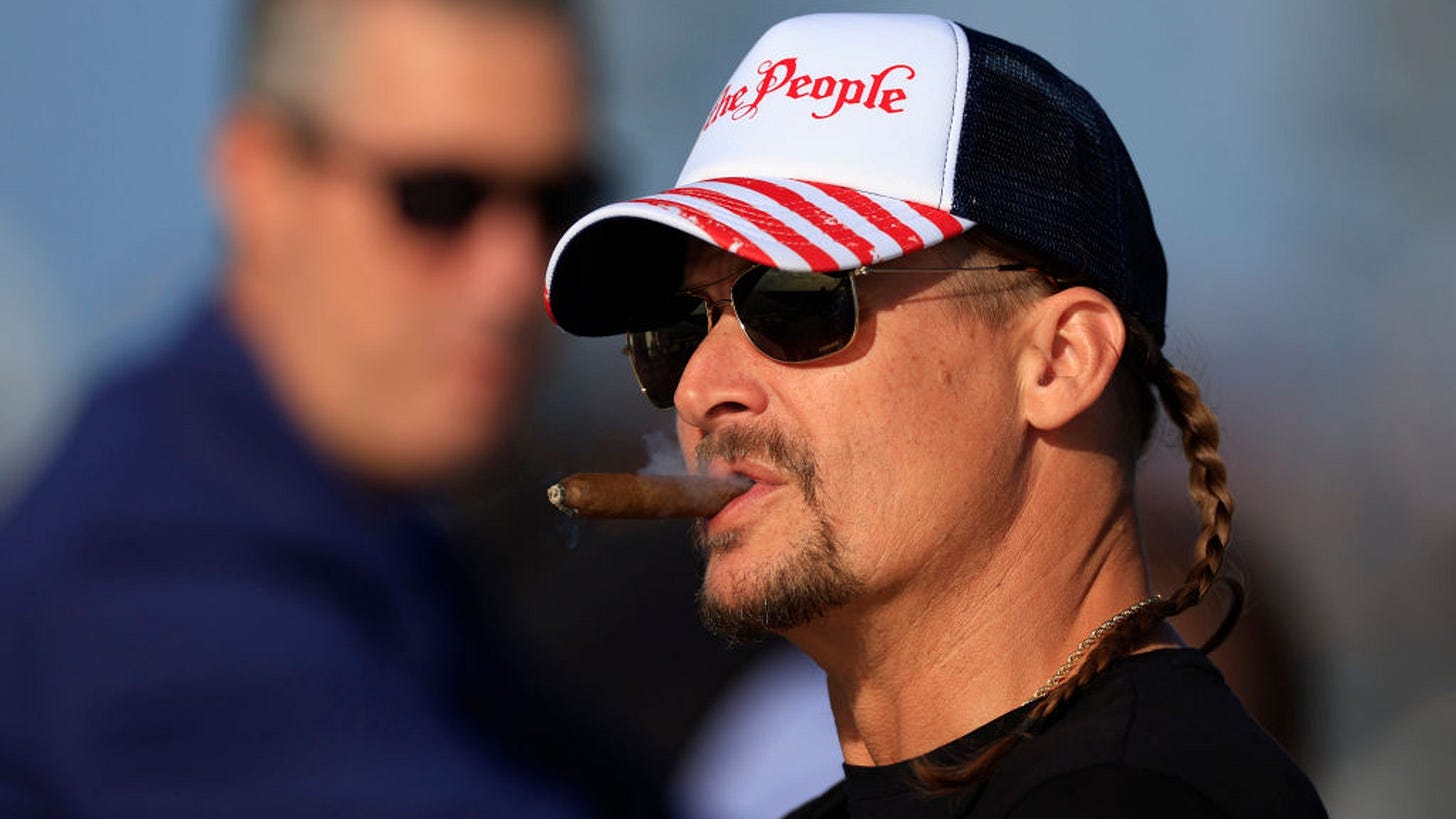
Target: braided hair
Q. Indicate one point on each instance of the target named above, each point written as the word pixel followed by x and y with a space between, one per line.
pixel 1148 379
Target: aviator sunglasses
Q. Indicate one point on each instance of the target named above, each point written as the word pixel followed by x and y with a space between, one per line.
pixel 440 199
pixel 791 317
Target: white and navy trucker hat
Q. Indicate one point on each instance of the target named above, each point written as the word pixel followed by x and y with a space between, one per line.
pixel 849 139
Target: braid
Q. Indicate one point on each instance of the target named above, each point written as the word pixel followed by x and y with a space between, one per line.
pixel 1144 363
pixel 1208 484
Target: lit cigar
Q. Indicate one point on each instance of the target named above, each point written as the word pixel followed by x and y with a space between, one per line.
pixel 616 495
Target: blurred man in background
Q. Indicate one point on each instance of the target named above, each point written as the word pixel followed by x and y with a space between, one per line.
pixel 225 595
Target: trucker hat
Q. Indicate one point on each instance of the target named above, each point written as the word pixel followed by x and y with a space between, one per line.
pixel 845 140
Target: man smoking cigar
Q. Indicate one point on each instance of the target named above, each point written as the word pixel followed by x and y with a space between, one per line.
pixel 927 324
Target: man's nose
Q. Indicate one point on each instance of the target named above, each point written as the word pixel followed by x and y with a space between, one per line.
pixel 724 378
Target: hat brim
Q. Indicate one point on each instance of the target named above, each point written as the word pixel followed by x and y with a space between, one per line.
pixel 785 223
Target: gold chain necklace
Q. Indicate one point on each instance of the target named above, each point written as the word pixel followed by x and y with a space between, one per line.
pixel 1110 624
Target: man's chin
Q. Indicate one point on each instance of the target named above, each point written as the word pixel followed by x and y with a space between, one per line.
pixel 731 621
pixel 795 593
pixel 770 580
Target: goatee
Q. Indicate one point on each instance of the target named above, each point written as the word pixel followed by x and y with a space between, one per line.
pixel 806 582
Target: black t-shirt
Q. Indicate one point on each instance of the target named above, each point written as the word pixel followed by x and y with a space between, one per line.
pixel 1157 735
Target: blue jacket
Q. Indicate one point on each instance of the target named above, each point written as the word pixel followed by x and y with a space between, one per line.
pixel 198 617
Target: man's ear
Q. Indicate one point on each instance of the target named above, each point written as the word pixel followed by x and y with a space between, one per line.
pixel 251 170
pixel 1073 340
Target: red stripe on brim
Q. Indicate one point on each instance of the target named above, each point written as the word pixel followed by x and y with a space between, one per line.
pixel 903 235
pixel 947 225
pixel 546 297
pixel 785 235
pixel 862 248
pixel 720 234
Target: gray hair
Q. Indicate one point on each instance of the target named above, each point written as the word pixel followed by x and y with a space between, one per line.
pixel 289 45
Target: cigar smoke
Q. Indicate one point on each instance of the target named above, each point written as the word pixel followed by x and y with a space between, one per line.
pixel 663 455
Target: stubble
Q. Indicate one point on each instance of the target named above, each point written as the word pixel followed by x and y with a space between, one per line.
pixel 806 580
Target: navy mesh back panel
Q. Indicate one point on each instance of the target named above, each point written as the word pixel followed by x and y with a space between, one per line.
pixel 1041 164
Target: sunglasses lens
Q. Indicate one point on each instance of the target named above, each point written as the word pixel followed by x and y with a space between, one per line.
pixel 789 317
pixel 445 200
pixel 439 200
pixel 661 340
pixel 793 317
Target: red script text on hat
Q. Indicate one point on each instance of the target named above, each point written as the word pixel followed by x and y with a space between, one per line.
pixel 783 75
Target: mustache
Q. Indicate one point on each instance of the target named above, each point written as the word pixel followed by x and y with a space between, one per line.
pixel 771 445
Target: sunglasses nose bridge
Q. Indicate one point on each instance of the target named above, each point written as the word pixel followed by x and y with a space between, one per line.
pixel 716 309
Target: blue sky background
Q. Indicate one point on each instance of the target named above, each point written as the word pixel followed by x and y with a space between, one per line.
pixel 1297 156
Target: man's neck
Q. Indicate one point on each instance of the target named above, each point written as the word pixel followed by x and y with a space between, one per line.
pixel 959 648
